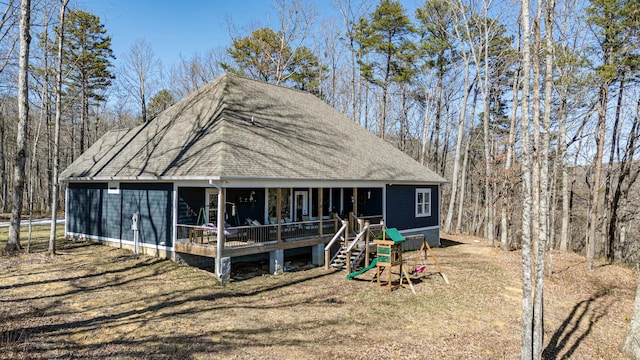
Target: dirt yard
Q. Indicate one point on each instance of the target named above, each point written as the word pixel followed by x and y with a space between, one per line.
pixel 94 301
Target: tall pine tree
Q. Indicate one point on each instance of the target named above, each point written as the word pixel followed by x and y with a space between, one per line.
pixel 386 36
pixel 86 59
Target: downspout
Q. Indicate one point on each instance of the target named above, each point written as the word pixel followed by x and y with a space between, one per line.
pixel 220 225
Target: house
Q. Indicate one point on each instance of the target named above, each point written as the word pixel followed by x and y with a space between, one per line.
pixel 242 167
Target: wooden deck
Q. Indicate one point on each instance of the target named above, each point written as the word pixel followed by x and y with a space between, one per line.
pixel 236 249
pixel 249 240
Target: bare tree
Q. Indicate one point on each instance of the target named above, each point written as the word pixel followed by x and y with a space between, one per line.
pixel 527 311
pixel 13 242
pixel 192 73
pixel 140 71
pixel 56 139
pixel 8 42
pixel 349 16
pixel 468 87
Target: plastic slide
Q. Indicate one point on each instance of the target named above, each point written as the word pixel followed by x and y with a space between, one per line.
pixel 364 270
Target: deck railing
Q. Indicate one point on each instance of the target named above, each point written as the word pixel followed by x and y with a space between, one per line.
pixel 251 235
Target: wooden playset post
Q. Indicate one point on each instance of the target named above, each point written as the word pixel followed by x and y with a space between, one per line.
pixel 423 253
pixel 390 255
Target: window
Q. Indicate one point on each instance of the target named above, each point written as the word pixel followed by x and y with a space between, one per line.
pixel 423 202
pixel 212 205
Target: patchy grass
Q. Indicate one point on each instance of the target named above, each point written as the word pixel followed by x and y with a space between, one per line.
pixel 94 301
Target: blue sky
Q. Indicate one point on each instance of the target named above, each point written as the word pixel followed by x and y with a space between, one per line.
pixel 181 27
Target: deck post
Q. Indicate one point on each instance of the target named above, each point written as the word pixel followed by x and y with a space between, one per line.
pixel 327 256
pixel 355 201
pixel 346 233
pixel 317 256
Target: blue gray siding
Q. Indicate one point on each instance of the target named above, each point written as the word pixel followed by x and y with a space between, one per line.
pixel 401 203
pixel 85 207
pixel 93 212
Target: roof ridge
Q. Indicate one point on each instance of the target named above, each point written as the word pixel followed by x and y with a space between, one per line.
pixel 260 82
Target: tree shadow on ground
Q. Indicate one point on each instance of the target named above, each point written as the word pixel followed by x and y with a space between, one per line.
pixel 590 310
pixel 444 242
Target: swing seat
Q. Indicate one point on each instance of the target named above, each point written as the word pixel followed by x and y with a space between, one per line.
pixel 420 269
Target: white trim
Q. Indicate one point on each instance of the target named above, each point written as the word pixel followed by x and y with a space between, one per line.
pixel 207 204
pixel 310 203
pixel 113 188
pixel 439 204
pixel 384 204
pixel 424 192
pixel 66 211
pixel 139 178
pixel 420 229
pixel 120 241
pixel 243 181
pixel 174 231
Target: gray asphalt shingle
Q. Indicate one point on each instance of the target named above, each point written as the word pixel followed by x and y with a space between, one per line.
pixel 240 128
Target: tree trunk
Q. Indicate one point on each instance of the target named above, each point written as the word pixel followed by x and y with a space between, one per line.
pixel 3 165
pixel 436 132
pixel 506 185
pixel 595 191
pixel 456 160
pixel 527 311
pixel 538 302
pixel 608 238
pixel 425 127
pixel 487 154
pixel 487 180
pixel 56 140
pixel 465 161
pixel 13 242
pixel 562 144
pixel 631 345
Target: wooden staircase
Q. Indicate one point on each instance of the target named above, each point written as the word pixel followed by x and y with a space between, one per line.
pixel 340 260
pixel 353 246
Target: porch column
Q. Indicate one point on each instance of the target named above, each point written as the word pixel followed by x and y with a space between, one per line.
pixel 279 213
pixel 320 206
pixel 355 201
pixel 220 238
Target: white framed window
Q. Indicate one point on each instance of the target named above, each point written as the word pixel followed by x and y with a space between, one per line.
pixel 423 202
pixel 211 206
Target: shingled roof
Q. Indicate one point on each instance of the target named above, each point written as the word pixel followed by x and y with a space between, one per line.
pixel 236 128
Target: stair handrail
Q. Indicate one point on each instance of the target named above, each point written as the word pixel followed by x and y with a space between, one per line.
pixel 355 241
pixel 327 248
